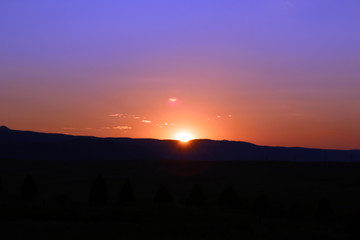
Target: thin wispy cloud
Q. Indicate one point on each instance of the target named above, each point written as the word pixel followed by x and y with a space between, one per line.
pixel 223 116
pixel 115 115
pixel 124 115
pixel 165 124
pixel 122 128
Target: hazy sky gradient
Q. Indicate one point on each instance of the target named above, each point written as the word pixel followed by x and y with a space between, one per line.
pixel 273 72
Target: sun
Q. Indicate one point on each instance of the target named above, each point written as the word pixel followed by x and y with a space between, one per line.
pixel 184 136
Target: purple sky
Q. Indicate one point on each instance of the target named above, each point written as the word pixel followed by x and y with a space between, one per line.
pixel 286 71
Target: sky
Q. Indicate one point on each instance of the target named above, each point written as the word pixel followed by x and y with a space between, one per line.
pixel 270 72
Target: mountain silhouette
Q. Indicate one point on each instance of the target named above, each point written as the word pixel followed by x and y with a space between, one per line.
pixel 28 145
pixel 4 128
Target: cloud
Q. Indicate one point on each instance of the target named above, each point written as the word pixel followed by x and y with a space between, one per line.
pixel 173 101
pixel 124 115
pixel 122 128
pixel 69 128
pixel 146 121
pixel 116 115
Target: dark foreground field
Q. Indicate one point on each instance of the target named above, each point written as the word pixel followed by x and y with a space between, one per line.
pixel 275 200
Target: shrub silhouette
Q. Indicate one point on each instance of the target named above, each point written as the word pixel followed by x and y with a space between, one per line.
pixel 29 189
pixel 99 191
pixel 196 197
pixel 126 196
pixel 262 206
pixel 163 195
pixel 325 210
pixel 229 198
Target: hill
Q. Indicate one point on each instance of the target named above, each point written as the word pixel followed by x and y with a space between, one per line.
pixel 27 145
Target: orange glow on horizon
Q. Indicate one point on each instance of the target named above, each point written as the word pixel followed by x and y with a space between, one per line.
pixel 184 137
pixel 275 122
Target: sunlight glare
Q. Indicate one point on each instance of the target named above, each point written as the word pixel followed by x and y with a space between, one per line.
pixel 184 137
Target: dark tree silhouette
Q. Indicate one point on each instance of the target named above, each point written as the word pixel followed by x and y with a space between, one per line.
pixel 29 189
pixel 196 197
pixel 229 198
pixel 126 196
pixel 325 209
pixel 163 195
pixel 99 191
pixel 262 206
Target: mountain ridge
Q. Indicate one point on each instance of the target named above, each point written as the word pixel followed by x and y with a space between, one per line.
pixel 4 128
pixel 16 144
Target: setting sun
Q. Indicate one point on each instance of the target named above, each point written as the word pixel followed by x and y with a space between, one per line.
pixel 184 137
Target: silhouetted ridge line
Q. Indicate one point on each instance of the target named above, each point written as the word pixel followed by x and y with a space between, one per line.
pixel 4 129
pixel 27 145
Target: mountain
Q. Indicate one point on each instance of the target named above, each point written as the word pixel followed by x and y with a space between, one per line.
pixel 27 145
pixel 4 128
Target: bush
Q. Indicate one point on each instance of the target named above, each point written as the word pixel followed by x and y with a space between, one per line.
pixel 126 196
pixel 99 191
pixel 29 189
